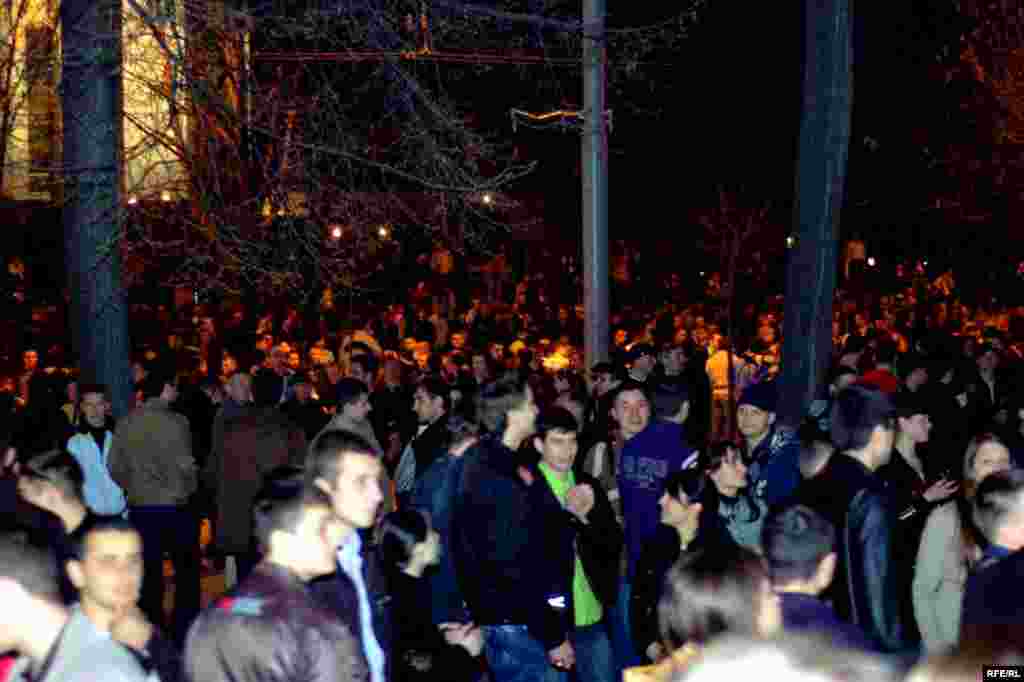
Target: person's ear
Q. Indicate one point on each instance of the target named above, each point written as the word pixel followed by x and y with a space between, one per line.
pixel 75 574
pixel 826 571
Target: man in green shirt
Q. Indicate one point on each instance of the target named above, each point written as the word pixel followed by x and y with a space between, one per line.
pixel 583 541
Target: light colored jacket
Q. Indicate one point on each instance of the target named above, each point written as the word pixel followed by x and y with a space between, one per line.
pixel 939 578
pixel 102 495
pixel 83 653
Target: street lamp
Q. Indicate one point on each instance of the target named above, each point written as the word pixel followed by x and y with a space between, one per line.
pixel 336 232
pixel 871 262
pixel 383 232
pixel 487 198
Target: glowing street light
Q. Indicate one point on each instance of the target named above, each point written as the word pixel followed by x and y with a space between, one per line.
pixel 487 198
pixel 871 262
pixel 165 196
pixel 383 232
pixel 336 232
pixel 132 200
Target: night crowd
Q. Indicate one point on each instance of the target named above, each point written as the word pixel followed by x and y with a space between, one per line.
pixel 440 490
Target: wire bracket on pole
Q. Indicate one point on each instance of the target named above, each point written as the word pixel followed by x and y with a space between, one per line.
pixel 559 118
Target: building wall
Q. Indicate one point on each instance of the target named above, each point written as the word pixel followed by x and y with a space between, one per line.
pixel 154 133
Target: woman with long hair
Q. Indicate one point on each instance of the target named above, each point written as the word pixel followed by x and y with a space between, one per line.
pixel 950 546
pixel 685 527
pixel 728 496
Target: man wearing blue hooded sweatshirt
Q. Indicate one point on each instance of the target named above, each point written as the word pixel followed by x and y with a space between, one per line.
pixel 651 450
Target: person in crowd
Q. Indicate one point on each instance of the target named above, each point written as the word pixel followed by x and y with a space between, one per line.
pixel 151 459
pixel 347 468
pixel 250 443
pixel 642 360
pixel 728 496
pixel 431 403
pixel 771 450
pixel 302 409
pixel 707 595
pixel 850 495
pixel 883 376
pixel 271 627
pixel 992 602
pixel 53 643
pixel 434 495
pixel 91 448
pixel 423 650
pixel 272 385
pixel 651 450
pixel 582 543
pixel 800 550
pixel 105 568
pixel 503 572
pixel 951 545
pixel 684 528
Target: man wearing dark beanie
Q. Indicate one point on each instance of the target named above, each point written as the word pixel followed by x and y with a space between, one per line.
pixel 772 451
pixel 799 547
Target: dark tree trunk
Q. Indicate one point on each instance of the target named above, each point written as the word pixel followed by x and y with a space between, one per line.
pixel 821 174
pixel 91 98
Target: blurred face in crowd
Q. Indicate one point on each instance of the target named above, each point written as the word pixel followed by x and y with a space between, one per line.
pixel 558 450
pixel 917 378
pixel 917 427
pixel 480 369
pixel 356 490
pixel 458 340
pixel 427 407
pixel 522 419
pixel 359 408
pixel 228 365
pixel 731 474
pixel 632 411
pixel 309 550
pixel 294 361
pixel 992 457
pixel 94 409
pixel 30 359
pixel 753 422
pixel 359 373
pixel 672 360
pixel 109 575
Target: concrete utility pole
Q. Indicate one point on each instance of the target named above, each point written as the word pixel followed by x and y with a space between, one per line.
pixel 821 179
pixel 595 183
pixel 91 101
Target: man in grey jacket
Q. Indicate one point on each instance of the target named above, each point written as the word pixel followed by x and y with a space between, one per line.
pixel 53 643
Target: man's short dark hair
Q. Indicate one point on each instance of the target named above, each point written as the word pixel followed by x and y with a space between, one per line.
pixel 627 386
pixel 152 386
pixel 85 389
pixel 282 507
pixel 323 460
pixel 32 567
pixel 856 413
pixel 999 495
pixel 98 524
pixel 60 469
pixel 497 398
pixel 349 390
pixel 436 388
pixel 367 361
pixel 795 540
pixel 556 419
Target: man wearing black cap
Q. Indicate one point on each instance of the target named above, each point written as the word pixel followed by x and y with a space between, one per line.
pixel 642 361
pixel 773 451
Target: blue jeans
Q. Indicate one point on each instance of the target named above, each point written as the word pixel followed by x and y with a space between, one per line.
pixel 617 621
pixel 515 656
pixel 594 661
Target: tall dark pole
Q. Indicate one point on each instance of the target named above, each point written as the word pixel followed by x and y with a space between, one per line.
pixel 91 101
pixel 820 180
pixel 595 184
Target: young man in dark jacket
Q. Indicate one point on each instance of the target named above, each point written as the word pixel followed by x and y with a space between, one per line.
pixel 271 628
pixel 502 568
pixel 851 496
pixel 582 542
